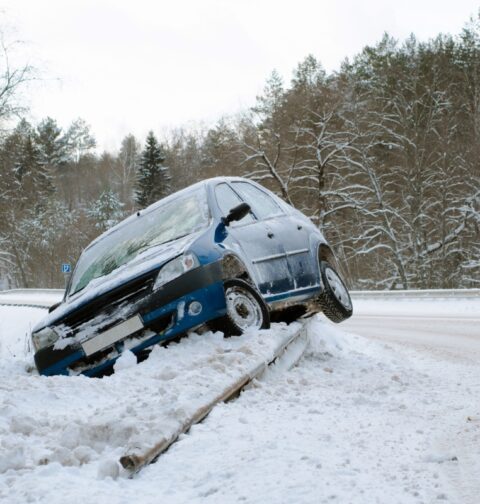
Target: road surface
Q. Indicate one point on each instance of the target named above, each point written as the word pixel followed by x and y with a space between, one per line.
pixel 444 337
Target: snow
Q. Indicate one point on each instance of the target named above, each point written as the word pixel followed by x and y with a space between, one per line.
pixel 357 420
pixel 86 329
pixel 15 326
pixel 125 361
pixel 413 307
pixel 40 297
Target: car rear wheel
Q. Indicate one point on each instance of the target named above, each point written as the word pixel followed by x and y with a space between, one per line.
pixel 245 309
pixel 335 299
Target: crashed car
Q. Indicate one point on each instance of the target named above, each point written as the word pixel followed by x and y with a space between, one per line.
pixel 225 253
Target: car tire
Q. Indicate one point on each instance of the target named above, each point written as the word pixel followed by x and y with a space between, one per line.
pixel 246 309
pixel 334 300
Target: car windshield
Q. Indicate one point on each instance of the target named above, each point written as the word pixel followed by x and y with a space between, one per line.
pixel 172 220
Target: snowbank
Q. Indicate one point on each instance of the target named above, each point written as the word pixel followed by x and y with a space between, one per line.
pixel 355 422
pixel 16 323
pixel 56 424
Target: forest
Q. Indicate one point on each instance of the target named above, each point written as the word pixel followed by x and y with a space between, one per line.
pixel 382 154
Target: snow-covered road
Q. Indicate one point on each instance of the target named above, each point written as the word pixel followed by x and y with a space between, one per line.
pixel 444 328
pixel 446 337
pixel 390 414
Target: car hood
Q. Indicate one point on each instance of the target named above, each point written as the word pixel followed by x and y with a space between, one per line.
pixel 149 260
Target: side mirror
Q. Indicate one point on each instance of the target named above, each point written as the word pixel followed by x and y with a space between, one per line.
pixel 56 305
pixel 236 213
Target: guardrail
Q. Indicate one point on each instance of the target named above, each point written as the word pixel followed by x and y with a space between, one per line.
pixel 415 294
pixel 44 298
pixel 33 298
pixel 135 460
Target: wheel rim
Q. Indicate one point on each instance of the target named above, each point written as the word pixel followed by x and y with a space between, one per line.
pixel 338 288
pixel 243 308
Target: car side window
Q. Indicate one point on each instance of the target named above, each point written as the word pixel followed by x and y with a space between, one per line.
pixel 228 199
pixel 262 204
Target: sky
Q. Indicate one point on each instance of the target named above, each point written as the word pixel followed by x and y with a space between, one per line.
pixel 139 65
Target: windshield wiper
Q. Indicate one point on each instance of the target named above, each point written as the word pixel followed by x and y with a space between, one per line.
pixel 176 238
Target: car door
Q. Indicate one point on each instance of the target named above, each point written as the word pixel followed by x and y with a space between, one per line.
pixel 288 229
pixel 263 250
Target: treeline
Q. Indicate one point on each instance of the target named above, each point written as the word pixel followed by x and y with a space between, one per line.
pixel 57 195
pixel 383 155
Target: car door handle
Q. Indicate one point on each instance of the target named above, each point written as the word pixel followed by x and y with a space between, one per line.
pixel 270 234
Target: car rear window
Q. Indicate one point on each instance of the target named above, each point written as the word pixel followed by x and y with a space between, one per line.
pixel 261 203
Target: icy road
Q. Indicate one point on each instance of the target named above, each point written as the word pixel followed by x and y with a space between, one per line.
pixel 382 409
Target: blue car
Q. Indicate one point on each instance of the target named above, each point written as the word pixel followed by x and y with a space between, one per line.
pixel 224 253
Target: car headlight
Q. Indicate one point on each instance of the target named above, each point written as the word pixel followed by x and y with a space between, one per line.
pixel 44 338
pixel 175 268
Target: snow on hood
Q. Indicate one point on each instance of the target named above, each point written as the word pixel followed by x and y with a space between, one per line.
pixel 143 263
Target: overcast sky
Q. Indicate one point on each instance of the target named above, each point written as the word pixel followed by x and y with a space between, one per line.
pixel 131 66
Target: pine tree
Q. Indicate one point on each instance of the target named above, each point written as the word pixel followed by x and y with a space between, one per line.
pixel 31 172
pixel 10 153
pixel 51 143
pixel 107 210
pixel 153 181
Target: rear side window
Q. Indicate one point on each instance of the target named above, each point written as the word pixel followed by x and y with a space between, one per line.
pixel 227 199
pixel 262 204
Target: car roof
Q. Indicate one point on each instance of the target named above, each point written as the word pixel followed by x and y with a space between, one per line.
pixel 182 192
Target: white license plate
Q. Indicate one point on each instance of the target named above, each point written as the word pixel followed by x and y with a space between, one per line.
pixel 110 336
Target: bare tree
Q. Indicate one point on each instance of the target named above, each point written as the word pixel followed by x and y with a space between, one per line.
pixel 13 78
pixel 126 171
pixel 266 165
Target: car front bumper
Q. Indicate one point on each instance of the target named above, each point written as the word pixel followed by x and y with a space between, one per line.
pixel 164 314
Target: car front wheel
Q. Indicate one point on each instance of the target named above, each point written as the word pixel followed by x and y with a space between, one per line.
pixel 335 299
pixel 245 309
